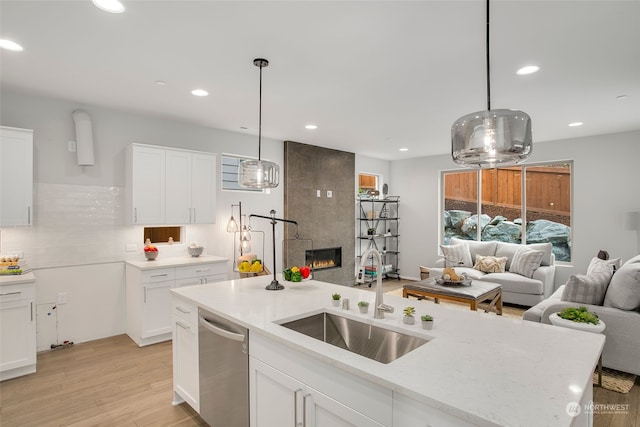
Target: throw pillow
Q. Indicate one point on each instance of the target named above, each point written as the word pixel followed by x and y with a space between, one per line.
pixel 624 288
pixel 456 255
pixel 526 261
pixel 609 264
pixel 587 288
pixel 490 264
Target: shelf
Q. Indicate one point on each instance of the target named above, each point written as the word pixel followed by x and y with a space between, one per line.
pixel 376 236
pixel 380 217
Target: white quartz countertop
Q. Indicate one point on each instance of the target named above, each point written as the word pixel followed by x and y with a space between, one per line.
pixel 17 279
pixel 182 261
pixel 489 370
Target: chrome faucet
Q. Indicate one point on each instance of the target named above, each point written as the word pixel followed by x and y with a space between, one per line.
pixel 379 307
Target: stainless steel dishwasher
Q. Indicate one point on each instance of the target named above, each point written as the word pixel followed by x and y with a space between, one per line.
pixel 224 371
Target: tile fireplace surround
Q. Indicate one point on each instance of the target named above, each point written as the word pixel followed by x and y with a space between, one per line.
pixel 325 222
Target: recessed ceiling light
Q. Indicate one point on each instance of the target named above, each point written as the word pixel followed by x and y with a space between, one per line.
pixel 622 97
pixel 10 45
pixel 161 83
pixel 404 149
pixel 311 127
pixel 575 124
pixel 199 92
pixel 244 127
pixel 529 69
pixel 113 6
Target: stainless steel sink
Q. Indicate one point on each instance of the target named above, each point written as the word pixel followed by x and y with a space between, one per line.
pixel 380 344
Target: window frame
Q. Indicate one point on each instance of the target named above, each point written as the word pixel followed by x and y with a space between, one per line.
pixel 240 158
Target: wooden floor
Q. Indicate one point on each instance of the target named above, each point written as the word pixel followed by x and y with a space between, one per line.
pixel 112 382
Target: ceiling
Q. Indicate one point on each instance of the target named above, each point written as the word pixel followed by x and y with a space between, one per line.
pixel 373 76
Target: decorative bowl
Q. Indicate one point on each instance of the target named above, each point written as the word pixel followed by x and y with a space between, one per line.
pixel 151 255
pixel 195 250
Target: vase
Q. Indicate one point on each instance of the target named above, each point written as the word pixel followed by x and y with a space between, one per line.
pixel 336 302
pixel 364 309
pixel 427 324
pixel 408 320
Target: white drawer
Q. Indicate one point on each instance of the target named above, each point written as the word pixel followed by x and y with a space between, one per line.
pixel 185 310
pixel 158 275
pixel 17 292
pixel 201 270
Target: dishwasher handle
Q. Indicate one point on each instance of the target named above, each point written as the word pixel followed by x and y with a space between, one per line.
pixel 216 329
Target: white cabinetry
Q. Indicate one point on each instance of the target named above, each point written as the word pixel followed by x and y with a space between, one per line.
pixel 185 353
pixel 170 186
pixel 149 301
pixel 16 177
pixel 289 388
pixel 17 330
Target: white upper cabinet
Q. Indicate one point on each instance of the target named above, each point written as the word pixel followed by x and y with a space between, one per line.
pixel 16 177
pixel 169 186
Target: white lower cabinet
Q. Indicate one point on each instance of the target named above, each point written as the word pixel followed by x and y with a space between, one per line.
pixel 149 318
pixel 185 353
pixel 17 330
pixel 288 388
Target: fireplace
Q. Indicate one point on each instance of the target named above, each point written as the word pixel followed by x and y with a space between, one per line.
pixel 321 259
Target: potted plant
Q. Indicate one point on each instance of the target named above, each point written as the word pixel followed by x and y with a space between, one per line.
pixel 427 321
pixel 363 306
pixel 408 315
pixel 335 298
pixel 579 315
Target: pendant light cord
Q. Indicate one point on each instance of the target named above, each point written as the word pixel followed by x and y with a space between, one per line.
pixel 260 117
pixel 488 68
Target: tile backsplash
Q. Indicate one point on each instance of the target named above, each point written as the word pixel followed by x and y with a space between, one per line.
pixel 79 224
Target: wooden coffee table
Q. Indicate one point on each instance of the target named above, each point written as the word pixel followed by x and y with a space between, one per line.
pixel 484 295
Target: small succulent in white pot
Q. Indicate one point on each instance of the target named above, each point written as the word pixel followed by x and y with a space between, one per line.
pixel 427 321
pixel 408 318
pixel 363 306
pixel 335 298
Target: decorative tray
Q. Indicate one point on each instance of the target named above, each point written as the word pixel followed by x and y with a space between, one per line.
pixel 464 282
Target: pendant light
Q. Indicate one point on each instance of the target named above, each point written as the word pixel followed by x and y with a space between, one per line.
pixel 259 173
pixel 490 138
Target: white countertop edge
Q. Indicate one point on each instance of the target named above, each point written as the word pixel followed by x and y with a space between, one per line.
pixel 16 279
pixel 479 396
pixel 175 262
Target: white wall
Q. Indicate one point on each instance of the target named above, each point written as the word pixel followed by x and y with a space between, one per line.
pixel 77 243
pixel 605 187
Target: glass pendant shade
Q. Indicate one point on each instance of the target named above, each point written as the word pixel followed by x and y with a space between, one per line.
pixel 232 225
pixel 491 138
pixel 258 174
pixel 245 246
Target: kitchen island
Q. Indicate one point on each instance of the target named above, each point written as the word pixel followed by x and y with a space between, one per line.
pixel 476 370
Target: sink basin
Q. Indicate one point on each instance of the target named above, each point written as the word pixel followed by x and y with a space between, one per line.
pixel 374 342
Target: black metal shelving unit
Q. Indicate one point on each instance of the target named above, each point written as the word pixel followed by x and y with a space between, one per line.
pixel 379 229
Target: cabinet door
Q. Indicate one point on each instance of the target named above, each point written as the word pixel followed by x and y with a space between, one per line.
pixel 178 187
pixel 16 177
pixel 148 185
pixel 323 411
pixel 276 398
pixel 203 188
pixel 156 309
pixel 18 334
pixel 185 361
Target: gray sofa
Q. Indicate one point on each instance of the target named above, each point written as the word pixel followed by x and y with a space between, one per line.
pixel 620 312
pixel 516 288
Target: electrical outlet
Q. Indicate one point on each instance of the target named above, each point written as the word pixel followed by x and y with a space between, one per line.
pixel 329 194
pixel 72 146
pixel 318 193
pixel 62 298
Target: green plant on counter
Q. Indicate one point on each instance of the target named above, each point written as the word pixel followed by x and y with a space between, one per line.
pixel 363 304
pixel 409 311
pixel 335 297
pixel 426 318
pixel 579 315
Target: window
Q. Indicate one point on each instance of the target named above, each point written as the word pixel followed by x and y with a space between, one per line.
pixel 229 172
pixel 162 234
pixel 369 184
pixel 520 204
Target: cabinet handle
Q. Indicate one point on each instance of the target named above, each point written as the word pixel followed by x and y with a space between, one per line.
pixel 182 325
pixel 295 408
pixel 32 311
pixel 135 215
pixel 203 271
pixel 182 309
pixel 29 215
pixel 11 293
pixel 145 295
pixel 159 275
pixel 304 409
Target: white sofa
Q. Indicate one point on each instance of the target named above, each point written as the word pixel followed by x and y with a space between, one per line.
pixel 516 288
pixel 620 312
